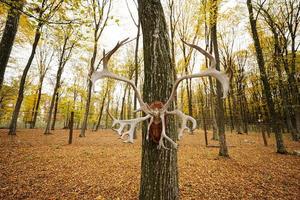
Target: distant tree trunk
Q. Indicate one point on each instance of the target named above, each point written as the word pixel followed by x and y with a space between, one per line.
pixel 52 103
pixel 219 102
pixel 89 92
pixel 203 111
pixel 101 109
pixel 245 111
pixel 136 64
pixel 67 119
pixel 123 103
pixel 107 108
pixel 55 111
pixel 136 69
pixel 173 24
pixel 293 24
pixel 14 119
pixel 64 57
pixel 8 36
pixel 282 90
pixel 129 111
pixel 188 86
pixel 159 173
pixel 237 113
pixel 264 79
pixel 230 112
pixel 263 132
pixel 37 105
pixel 71 128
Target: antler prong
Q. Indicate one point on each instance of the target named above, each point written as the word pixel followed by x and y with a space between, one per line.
pixel 164 135
pixel 106 73
pixel 211 71
pixel 123 123
pixel 148 129
pixel 184 119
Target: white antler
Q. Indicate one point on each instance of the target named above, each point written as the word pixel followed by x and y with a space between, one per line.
pixel 106 73
pixel 211 71
pixel 184 119
pixel 123 123
pixel 164 135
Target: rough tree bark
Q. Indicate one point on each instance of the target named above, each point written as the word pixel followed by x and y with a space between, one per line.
pixel 159 178
pixel 8 37
pixel 265 82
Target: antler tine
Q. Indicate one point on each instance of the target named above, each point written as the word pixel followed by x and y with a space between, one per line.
pixel 123 123
pixel 106 73
pixel 205 53
pixel 184 119
pixel 211 71
pixel 107 56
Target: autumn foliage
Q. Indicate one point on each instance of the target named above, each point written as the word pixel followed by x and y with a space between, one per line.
pixel 100 166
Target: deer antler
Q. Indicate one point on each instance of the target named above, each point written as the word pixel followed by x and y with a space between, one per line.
pixel 185 118
pixel 123 123
pixel 211 71
pixel 164 135
pixel 106 73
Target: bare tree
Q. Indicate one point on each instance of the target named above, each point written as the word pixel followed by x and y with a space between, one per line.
pixel 64 52
pixel 46 12
pixel 219 102
pixel 263 76
pixel 43 65
pixel 100 13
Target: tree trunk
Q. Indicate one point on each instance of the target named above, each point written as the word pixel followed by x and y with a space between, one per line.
pixel 37 105
pixel 223 151
pixel 89 88
pixel 55 111
pixel 136 64
pixel 230 111
pixel 62 62
pixel 159 173
pixel 123 103
pixel 47 129
pixel 8 37
pixel 14 119
pixel 101 109
pixel 283 93
pixel 87 110
pixel 107 108
pixel 266 84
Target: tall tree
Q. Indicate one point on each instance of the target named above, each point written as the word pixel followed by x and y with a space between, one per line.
pixel 45 12
pixel 100 19
pixel 64 52
pixel 107 90
pixel 159 179
pixel 265 82
pixel 9 34
pixel 277 60
pixel 219 101
pixel 43 65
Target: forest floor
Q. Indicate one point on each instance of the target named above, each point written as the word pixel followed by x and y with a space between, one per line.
pixel 100 166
